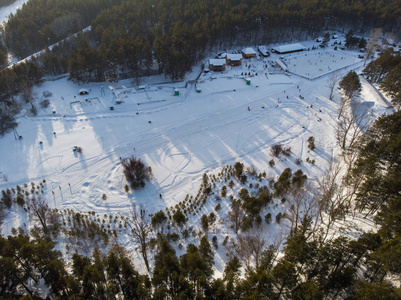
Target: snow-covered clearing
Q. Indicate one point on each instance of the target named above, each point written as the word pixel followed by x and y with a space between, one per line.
pixel 320 62
pixel 10 9
pixel 180 137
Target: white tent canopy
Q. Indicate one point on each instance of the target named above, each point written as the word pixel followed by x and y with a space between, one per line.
pixel 217 62
pixel 289 48
pixel 234 56
pixel 249 51
pixel 263 50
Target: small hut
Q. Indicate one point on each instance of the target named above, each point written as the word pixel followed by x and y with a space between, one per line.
pixel 263 50
pixel 248 52
pixel 234 59
pixel 83 92
pixel 217 64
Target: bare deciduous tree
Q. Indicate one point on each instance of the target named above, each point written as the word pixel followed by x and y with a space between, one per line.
pixel 2 213
pixel 249 247
pixel 278 149
pixel 336 195
pixel 66 23
pixel 140 229
pixel 333 203
pixel 343 103
pixel 332 81
pixel 251 170
pixel 40 211
pixel 373 44
pixel 136 172
pixel 235 215
pixel 303 205
pixel 354 120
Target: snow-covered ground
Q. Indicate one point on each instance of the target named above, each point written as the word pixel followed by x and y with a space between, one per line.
pixel 180 137
pixel 318 63
pixel 10 9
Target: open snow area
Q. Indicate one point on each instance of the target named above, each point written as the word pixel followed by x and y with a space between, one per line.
pixel 180 137
pixel 10 9
pixel 318 63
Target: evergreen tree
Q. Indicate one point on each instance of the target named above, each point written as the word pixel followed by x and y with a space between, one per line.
pixel 179 217
pixel 206 251
pixel 122 277
pixel 351 85
pixel 381 147
pixel 307 290
pixel 351 41
pixel 23 258
pixel 392 83
pixel 285 277
pixel 196 269
pixel 378 69
pixel 326 39
pixel 382 291
pixel 204 222
pixel 258 284
pixel 362 43
pixel 166 273
pixel 158 219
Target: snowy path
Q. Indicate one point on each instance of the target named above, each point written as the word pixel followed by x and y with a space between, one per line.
pixel 371 90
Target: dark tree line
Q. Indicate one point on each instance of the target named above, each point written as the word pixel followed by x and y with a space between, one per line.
pixel 3 56
pixel 25 260
pixel 6 2
pixel 378 165
pixel 309 267
pixel 13 81
pixel 127 37
pixel 40 23
pixel 180 33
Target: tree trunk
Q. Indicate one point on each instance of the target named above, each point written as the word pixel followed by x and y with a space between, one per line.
pixel 145 257
pixel 280 291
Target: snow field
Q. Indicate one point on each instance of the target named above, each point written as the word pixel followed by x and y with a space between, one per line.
pixel 180 137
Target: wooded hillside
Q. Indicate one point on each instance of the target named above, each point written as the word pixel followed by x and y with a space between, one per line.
pixel 40 23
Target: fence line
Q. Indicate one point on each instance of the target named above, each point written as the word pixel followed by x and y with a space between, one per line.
pixel 325 74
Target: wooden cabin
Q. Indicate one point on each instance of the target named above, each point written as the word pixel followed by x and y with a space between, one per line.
pixel 234 59
pixel 218 64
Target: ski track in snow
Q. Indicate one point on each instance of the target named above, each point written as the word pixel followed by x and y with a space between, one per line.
pixel 178 131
